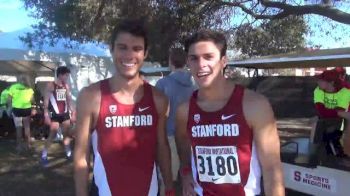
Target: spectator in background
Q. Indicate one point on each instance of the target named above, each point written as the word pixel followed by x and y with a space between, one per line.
pixel 178 87
pixel 21 97
pixel 342 76
pixel 3 102
pixel 346 115
pixel 4 115
pixel 330 96
pixel 331 99
pixel 341 71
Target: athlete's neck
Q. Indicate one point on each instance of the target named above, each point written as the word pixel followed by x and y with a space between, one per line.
pixel 125 85
pixel 218 91
pixel 59 82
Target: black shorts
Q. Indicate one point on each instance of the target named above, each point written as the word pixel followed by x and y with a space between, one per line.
pixel 60 118
pixel 22 112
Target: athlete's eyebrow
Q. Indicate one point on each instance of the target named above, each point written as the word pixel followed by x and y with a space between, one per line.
pixel 120 44
pixel 138 47
pixel 204 54
pixel 208 54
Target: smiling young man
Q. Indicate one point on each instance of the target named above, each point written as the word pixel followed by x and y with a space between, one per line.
pixel 58 105
pixel 125 119
pixel 226 135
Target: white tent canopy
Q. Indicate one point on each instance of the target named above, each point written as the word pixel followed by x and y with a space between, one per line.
pixel 88 62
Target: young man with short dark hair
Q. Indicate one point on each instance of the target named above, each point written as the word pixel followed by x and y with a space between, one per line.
pixel 124 117
pixel 226 135
pixel 58 108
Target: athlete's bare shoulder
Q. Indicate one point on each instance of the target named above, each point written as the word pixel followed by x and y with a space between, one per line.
pixel 158 94
pixel 50 86
pixel 256 108
pixel 66 85
pixel 182 109
pixel 90 96
pixel 182 118
pixel 160 100
pixel 252 97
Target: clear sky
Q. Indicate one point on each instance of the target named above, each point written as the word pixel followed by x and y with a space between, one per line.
pixel 13 17
pixel 327 33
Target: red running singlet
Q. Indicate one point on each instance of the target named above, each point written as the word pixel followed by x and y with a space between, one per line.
pixel 58 99
pixel 124 144
pixel 224 158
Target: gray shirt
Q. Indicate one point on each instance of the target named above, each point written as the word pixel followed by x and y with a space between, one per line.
pixel 178 87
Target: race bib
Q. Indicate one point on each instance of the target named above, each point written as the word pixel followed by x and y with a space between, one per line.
pixel 61 94
pixel 218 164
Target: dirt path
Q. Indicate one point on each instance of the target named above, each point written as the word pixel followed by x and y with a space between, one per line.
pixel 21 174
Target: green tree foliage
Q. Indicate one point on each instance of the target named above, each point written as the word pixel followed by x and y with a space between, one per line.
pixel 170 21
pixel 87 20
pixel 271 37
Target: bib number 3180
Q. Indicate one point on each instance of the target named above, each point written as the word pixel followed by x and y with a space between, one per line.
pixel 218 165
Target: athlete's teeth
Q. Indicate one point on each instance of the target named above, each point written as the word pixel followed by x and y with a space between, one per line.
pixel 128 64
pixel 203 74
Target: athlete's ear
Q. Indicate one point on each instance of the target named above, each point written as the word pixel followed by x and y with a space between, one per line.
pixel 224 61
pixel 146 53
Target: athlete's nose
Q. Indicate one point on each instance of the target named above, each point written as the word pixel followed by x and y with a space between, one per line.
pixel 128 55
pixel 201 62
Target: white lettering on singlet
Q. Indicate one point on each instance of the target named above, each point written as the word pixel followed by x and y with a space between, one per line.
pixel 128 121
pixel 213 130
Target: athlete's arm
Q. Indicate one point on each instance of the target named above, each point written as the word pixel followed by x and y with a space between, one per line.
pixel 48 90
pixel 70 103
pixel 183 146
pixel 9 104
pixel 163 149
pixel 34 104
pixel 260 117
pixel 9 100
pixel 86 120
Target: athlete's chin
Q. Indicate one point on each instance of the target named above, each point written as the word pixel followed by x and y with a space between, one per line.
pixel 203 83
pixel 129 76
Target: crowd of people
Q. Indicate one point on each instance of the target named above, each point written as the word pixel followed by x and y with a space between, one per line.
pixel 195 127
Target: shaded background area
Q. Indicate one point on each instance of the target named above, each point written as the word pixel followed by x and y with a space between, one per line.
pixel 21 174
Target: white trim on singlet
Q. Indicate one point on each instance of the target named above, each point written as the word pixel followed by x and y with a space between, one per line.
pixel 54 103
pixel 197 188
pixel 55 106
pixel 153 188
pixel 65 108
pixel 99 169
pixel 253 183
